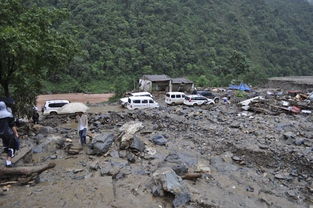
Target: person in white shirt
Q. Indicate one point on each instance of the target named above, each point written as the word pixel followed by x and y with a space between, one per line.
pixel 82 120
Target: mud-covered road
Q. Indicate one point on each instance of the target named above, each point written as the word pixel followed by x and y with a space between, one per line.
pixel 244 160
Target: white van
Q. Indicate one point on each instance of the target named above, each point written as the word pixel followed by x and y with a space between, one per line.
pixel 174 98
pixel 51 107
pixel 124 101
pixel 136 102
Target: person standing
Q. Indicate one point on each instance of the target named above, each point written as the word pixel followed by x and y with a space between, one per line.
pixel 8 133
pixel 82 120
pixel 35 115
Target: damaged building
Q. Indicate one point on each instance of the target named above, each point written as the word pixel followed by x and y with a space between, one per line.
pixel 163 82
pixel 292 82
pixel 151 83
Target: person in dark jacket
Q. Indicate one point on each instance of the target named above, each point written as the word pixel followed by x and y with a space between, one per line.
pixel 35 115
pixel 8 132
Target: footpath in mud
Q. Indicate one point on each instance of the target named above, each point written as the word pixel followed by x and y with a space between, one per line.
pixel 174 156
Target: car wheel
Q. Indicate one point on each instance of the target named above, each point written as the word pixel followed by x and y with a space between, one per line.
pixel 195 104
pixel 53 113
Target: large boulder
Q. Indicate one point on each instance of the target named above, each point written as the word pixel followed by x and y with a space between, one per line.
pixel 166 180
pixel 101 144
pixel 179 162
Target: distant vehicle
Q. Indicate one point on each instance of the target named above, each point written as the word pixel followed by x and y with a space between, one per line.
pixel 142 102
pixel 124 101
pixel 194 100
pixel 174 98
pixel 51 107
pixel 206 94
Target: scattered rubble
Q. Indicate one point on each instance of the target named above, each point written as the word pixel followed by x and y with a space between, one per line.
pixel 179 156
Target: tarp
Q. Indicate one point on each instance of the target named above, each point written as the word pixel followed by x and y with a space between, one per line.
pixel 242 87
pixel 73 108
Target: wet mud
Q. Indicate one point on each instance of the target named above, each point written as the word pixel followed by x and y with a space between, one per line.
pixel 253 160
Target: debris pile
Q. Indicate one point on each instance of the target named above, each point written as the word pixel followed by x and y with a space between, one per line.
pixel 180 156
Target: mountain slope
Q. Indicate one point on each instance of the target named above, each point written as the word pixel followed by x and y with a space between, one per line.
pixel 220 40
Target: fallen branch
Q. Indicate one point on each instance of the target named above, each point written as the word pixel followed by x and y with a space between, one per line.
pixel 23 174
pixel 191 176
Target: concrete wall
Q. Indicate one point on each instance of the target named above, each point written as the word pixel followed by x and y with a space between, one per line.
pixel 303 83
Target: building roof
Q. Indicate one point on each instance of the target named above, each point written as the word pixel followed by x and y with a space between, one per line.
pixel 181 80
pixel 156 78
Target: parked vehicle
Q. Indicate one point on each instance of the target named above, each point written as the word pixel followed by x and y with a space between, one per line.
pixel 194 100
pixel 141 102
pixel 174 98
pixel 206 94
pixel 51 107
pixel 124 101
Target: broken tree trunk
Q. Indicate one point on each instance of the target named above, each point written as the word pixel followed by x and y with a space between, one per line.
pixel 23 175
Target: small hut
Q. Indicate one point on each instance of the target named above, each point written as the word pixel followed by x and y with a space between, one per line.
pixel 151 83
pixel 182 85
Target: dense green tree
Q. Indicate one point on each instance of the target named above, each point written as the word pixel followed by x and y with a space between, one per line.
pixel 30 46
pixel 188 38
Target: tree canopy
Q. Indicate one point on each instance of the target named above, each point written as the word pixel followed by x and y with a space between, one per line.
pixel 31 46
pixel 212 42
pixel 193 38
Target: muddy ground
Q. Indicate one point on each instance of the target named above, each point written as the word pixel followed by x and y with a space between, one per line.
pixel 246 159
pixel 74 97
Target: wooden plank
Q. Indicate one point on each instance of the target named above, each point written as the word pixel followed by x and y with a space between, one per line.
pixel 21 154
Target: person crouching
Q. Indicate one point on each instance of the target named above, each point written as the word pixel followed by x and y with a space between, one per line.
pixel 82 120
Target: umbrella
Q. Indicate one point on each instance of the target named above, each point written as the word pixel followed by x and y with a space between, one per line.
pixel 73 108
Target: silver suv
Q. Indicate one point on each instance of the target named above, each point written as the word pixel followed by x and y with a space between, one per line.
pixel 194 100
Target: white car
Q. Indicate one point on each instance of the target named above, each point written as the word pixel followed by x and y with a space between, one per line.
pixel 51 107
pixel 194 100
pixel 123 101
pixel 174 98
pixel 136 102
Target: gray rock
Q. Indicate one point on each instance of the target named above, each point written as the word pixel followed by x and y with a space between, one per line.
pixel 122 153
pixel 250 189
pixel 39 138
pixel 166 179
pixel 118 176
pixel 38 149
pixel 131 157
pixel 45 130
pixel 292 194
pixel 282 176
pixel 159 140
pixel 101 144
pixel 299 141
pixel 53 157
pixel 105 170
pixel 174 161
pixel 289 135
pixel 114 153
pixel 137 145
pixel 94 165
pixel 117 162
pixel 221 166
pixel 60 143
pixel 236 158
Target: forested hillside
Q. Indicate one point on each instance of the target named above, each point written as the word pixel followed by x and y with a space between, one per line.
pixel 209 41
